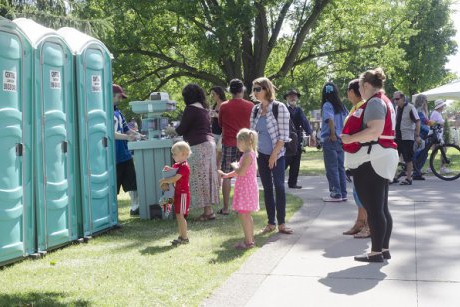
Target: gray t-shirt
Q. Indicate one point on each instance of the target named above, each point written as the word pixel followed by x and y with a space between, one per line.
pixel 375 109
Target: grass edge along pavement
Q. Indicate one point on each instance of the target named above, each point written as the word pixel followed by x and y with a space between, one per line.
pixel 136 265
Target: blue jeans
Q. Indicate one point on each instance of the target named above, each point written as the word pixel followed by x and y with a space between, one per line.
pixel 335 170
pixel 270 177
pixel 420 158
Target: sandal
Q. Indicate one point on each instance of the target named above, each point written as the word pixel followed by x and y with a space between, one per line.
pixel 356 228
pixel 406 182
pixel 364 233
pixel 267 229
pixel 285 230
pixel 205 217
pixel 221 211
pixel 243 245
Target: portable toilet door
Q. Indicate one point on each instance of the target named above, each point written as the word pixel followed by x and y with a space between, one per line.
pixel 16 203
pixel 54 136
pixel 96 131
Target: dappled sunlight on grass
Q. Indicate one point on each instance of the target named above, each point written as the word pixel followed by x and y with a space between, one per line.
pixel 136 265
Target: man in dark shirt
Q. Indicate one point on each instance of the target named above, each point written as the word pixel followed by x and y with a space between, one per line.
pixel 300 122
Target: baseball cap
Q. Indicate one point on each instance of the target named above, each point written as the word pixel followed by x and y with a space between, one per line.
pixel 116 89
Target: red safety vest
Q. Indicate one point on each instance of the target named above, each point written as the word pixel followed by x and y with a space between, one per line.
pixel 355 124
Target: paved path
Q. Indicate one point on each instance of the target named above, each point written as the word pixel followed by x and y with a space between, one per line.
pixel 315 266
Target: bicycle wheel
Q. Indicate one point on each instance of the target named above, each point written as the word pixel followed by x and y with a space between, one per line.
pixel 445 162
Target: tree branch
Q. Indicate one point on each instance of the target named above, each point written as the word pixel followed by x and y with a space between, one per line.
pixel 304 29
pixel 279 23
pixel 189 69
pixel 149 74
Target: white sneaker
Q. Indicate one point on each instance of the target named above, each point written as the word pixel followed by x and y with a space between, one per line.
pixel 444 170
pixel 332 199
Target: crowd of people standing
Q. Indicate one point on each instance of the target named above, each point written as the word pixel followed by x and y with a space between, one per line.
pixel 239 138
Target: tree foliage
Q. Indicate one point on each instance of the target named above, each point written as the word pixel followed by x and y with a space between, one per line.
pixel 426 52
pixel 163 44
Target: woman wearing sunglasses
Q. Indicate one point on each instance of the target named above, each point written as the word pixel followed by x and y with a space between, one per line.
pixel 273 130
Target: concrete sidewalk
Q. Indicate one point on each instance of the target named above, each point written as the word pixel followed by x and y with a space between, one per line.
pixel 315 266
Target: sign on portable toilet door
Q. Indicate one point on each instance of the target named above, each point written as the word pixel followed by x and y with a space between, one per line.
pixel 55 79
pixel 9 81
pixel 96 84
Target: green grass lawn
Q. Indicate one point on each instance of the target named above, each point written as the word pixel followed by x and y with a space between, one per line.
pixel 136 265
pixel 312 163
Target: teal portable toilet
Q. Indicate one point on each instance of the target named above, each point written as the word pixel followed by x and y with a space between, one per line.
pixel 96 131
pixel 16 203
pixel 54 137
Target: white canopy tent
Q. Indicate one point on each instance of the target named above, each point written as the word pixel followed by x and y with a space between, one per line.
pixel 446 91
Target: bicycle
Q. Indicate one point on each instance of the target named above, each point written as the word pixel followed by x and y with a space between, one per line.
pixel 444 157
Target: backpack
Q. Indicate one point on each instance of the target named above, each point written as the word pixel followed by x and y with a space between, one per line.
pixel 292 146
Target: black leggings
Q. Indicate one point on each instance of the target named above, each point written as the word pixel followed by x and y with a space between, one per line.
pixel 373 192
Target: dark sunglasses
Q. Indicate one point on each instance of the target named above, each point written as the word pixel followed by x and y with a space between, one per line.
pixel 257 89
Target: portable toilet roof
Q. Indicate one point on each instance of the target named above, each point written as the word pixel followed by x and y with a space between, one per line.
pixel 33 31
pixel 79 41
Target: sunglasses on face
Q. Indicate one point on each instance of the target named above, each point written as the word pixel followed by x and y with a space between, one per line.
pixel 257 89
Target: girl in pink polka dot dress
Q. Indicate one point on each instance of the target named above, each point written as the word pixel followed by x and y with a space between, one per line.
pixel 246 192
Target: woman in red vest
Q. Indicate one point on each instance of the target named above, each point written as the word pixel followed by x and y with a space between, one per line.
pixel 371 156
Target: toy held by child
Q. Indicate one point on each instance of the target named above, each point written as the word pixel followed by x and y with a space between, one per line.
pixel 167 198
pixel 246 193
pixel 180 152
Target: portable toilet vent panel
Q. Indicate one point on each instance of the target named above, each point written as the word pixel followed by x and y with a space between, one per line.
pixel 96 130
pixel 16 204
pixel 54 136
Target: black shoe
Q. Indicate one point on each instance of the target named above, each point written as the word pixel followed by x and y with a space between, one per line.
pixel 295 186
pixel 134 212
pixel 386 255
pixel 418 178
pixel 367 258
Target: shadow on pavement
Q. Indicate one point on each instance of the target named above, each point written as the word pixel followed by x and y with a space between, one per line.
pixel 339 282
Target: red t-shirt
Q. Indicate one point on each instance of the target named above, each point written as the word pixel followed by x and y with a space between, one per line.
pixel 234 115
pixel 182 185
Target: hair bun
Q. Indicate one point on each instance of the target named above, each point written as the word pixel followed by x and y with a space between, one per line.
pixel 236 86
pixel 379 74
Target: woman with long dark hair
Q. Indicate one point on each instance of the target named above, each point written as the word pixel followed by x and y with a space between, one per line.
pixel 218 95
pixel 333 114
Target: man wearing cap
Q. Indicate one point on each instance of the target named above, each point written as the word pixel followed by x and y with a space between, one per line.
pixel 234 115
pixel 407 131
pixel 300 122
pixel 126 173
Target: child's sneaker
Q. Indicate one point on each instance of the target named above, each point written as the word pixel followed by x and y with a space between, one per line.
pixel 179 241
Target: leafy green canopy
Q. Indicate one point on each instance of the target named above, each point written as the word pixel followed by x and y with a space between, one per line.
pixel 164 44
